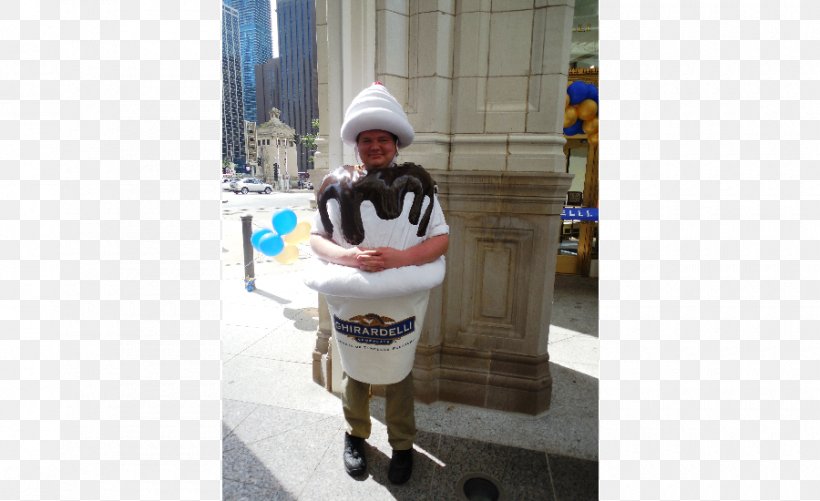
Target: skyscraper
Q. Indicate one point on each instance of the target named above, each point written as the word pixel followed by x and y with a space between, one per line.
pixel 233 125
pixel 267 89
pixel 298 81
pixel 255 43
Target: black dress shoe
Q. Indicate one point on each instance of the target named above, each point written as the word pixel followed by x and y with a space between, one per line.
pixel 355 462
pixel 401 466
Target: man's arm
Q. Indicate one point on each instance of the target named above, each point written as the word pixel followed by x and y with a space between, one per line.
pixel 334 253
pixel 383 258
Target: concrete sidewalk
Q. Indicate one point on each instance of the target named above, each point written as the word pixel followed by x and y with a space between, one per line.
pixel 283 433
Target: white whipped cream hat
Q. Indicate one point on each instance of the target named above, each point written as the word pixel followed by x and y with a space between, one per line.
pixel 376 109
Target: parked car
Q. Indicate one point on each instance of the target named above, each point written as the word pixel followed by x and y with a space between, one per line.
pixel 250 184
pixel 226 183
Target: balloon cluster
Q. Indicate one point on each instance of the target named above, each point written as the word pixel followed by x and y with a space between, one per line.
pixel 282 240
pixel 581 110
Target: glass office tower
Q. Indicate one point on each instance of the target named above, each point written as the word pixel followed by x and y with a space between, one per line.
pixel 267 89
pixel 298 79
pixel 256 46
pixel 233 124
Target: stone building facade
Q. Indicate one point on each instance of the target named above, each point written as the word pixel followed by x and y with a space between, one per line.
pixel 276 146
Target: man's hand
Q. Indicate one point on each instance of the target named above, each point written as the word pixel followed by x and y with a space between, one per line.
pixel 380 259
pixel 332 252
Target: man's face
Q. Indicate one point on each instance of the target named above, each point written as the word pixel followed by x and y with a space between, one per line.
pixel 377 148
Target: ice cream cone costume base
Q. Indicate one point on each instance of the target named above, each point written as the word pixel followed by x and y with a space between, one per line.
pixel 377 317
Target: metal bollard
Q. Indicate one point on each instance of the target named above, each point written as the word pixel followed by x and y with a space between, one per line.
pixel 250 278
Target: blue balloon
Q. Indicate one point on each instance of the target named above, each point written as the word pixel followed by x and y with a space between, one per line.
pixel 578 91
pixel 284 221
pixel 593 93
pixel 576 128
pixel 257 235
pixel 271 244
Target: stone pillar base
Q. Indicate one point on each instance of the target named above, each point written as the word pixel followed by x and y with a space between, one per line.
pixel 502 381
pixel 487 346
pixel 322 356
pixel 323 370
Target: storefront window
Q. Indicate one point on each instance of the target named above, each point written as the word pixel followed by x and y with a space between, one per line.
pixel 578 241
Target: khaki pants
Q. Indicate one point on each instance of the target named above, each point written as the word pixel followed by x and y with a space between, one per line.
pixel 399 411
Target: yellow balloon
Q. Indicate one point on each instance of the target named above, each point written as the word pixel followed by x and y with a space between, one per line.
pixel 288 255
pixel 299 234
pixel 590 126
pixel 593 139
pixel 570 116
pixel 587 109
pixel 566 102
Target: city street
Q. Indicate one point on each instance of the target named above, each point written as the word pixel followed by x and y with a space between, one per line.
pixel 233 203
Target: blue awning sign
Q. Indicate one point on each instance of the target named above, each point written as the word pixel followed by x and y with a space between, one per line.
pixel 579 214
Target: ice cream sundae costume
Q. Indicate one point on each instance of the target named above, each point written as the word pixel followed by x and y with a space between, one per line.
pixel 377 317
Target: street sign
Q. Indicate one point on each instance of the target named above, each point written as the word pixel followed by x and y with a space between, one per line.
pixel 579 214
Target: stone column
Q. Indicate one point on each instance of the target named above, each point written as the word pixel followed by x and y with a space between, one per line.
pixel 483 83
pixel 489 345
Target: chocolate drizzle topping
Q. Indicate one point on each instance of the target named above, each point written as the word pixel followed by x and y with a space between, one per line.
pixel 385 188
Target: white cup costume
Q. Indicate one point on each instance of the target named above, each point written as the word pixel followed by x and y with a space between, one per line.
pixel 377 317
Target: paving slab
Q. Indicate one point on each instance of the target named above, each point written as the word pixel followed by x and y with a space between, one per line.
pixel 272 382
pixel 265 422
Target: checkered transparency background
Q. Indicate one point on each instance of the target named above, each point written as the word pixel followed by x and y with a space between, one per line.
pixel 710 241
pixel 109 249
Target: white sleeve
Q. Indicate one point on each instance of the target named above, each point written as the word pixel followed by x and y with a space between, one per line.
pixel 318 227
pixel 438 225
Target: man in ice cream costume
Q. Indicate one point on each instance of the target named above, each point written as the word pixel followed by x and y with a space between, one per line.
pixel 381 236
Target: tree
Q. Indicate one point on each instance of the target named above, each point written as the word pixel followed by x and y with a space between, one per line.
pixel 228 167
pixel 309 140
